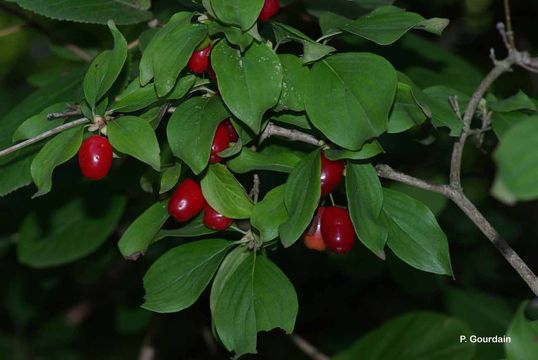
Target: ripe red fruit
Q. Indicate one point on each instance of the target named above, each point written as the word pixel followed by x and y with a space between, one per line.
pixel 95 157
pixel 312 238
pixel 186 201
pixel 232 134
pixel 270 8
pixel 332 173
pixel 199 61
pixel 221 141
pixel 337 230
pixel 215 220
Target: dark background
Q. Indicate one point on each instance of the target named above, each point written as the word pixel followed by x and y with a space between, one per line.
pixel 89 309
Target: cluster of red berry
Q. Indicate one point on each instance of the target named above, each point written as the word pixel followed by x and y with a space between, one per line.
pixel 187 201
pixel 331 227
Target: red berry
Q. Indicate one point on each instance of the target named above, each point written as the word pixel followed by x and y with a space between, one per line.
pixel 232 134
pixel 215 220
pixel 337 230
pixel 199 61
pixel 187 201
pixel 270 8
pixel 332 173
pixel 95 157
pixel 221 141
pixel 312 238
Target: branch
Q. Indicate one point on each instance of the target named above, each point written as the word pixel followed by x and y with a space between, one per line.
pixel 387 172
pixel 255 191
pixel 290 134
pixel 457 153
pixel 42 136
pixel 10 30
pixel 509 31
pixel 309 349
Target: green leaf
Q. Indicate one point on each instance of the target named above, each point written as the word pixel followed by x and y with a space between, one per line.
pixel 349 96
pixel 256 297
pixel 69 231
pixel 169 178
pixel 242 13
pixel 312 50
pixel 367 151
pixel 91 11
pixel 270 213
pixel 250 83
pixel 403 339
pixel 16 166
pixel 134 136
pixel 135 97
pixel 225 194
pixel 39 123
pixel 409 107
pixel 293 84
pixel 519 101
pixel 233 34
pixel 386 24
pixel 176 280
pixel 226 269
pixel 434 201
pixel 502 122
pixel 365 201
pixel 169 52
pixel 55 152
pixel 414 234
pixel 303 190
pixel 153 47
pixel 517 160
pixel 193 228
pixel 192 127
pixel 105 68
pixel 523 334
pixel 137 238
pixel 442 113
pixel 272 157
pixel 296 119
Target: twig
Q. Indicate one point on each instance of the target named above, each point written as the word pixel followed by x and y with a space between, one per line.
pixel 290 134
pixel 209 339
pixel 58 115
pixel 147 350
pixel 255 191
pixel 306 347
pixel 42 136
pixel 10 30
pixel 83 55
pixel 133 44
pixel 455 167
pixel 78 313
pixel 509 30
pixel 387 172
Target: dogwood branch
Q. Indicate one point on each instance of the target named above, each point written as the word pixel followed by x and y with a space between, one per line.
pixel 290 134
pixel 42 136
pixel 454 193
pixel 310 350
